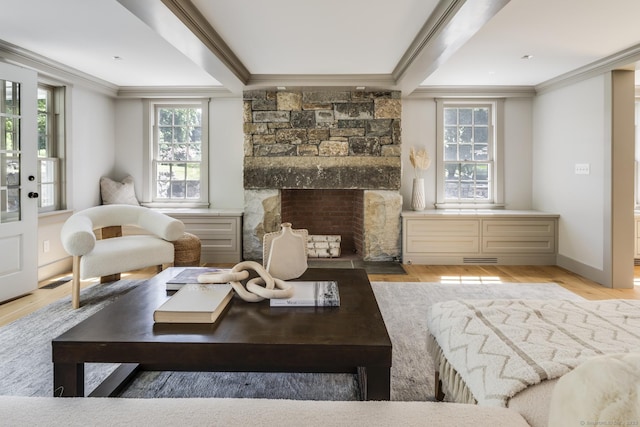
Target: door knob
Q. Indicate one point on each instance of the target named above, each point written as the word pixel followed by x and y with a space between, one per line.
pixel 32 195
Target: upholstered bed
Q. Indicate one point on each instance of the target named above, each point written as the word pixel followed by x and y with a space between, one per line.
pixel 511 352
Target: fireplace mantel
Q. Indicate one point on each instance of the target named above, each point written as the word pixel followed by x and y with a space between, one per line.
pixel 362 173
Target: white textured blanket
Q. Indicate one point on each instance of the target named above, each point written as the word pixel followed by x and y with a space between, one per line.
pixel 500 347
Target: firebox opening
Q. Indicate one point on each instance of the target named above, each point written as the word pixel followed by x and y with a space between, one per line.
pixel 339 212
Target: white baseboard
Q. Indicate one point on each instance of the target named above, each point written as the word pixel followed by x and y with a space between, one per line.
pixel 591 273
pixel 55 268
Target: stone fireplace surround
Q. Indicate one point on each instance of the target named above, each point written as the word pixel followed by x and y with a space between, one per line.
pixel 328 139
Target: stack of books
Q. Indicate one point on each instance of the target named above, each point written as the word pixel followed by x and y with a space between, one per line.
pixel 195 303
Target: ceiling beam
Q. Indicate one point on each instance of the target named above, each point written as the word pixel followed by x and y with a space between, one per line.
pixel 182 25
pixel 198 24
pixel 450 26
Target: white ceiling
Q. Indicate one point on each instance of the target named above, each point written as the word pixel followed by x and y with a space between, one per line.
pixel 284 42
pixel 317 37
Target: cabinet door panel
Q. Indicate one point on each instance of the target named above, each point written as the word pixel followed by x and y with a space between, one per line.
pixel 443 227
pixel 519 227
pixel 436 244
pixel 521 245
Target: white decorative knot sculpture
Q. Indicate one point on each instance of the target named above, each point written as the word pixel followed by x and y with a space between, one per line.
pixel 258 289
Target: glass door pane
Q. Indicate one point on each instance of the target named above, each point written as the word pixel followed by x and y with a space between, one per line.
pixel 10 152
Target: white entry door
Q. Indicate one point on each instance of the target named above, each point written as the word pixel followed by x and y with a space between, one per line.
pixel 18 186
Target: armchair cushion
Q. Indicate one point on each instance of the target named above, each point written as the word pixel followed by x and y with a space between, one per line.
pixel 125 253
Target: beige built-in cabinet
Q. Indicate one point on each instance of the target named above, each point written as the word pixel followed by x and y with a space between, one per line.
pixel 219 231
pixel 456 237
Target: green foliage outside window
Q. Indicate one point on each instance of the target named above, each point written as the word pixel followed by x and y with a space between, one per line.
pixel 467 163
pixel 179 153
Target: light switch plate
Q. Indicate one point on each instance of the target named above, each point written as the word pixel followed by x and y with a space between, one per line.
pixel 582 169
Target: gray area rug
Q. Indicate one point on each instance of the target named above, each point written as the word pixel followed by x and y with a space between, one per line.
pixel 25 357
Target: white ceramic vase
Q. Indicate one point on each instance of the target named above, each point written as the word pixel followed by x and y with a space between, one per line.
pixel 418 202
pixel 287 254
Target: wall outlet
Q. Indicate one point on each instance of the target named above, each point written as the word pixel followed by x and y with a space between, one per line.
pixel 45 246
pixel 582 169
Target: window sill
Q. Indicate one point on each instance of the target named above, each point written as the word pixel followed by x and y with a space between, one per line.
pixel 55 213
pixel 467 206
pixel 186 205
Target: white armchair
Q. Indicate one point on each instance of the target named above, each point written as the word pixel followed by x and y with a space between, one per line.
pixel 92 257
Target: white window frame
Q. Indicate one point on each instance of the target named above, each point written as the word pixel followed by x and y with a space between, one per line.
pixel 55 149
pixel 496 142
pixel 151 148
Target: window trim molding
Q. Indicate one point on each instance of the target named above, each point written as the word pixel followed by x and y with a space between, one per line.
pixel 497 118
pixel 149 106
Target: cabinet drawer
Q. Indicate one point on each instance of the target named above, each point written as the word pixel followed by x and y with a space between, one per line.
pixel 522 245
pixel 221 244
pixel 443 244
pixel 519 227
pixel 443 227
pixel 210 225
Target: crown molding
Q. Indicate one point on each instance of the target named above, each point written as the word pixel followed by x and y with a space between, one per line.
pixel 473 92
pixel 381 81
pixel 624 59
pixel 150 92
pixel 52 70
pixel 193 19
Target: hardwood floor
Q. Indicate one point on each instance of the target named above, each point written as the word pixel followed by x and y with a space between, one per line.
pixel 512 274
pixel 13 310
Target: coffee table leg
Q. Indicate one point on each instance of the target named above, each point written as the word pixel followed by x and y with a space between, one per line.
pixel 375 383
pixel 68 379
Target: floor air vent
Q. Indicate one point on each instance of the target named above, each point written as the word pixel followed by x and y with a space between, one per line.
pixel 480 260
pixel 636 261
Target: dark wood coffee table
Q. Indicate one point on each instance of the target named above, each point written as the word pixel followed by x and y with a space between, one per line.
pixel 249 337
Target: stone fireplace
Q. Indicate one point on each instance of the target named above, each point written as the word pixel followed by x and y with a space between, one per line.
pixel 338 144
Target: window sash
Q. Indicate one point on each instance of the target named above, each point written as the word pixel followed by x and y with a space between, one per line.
pixel 177 180
pixel 48 184
pixel 466 186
